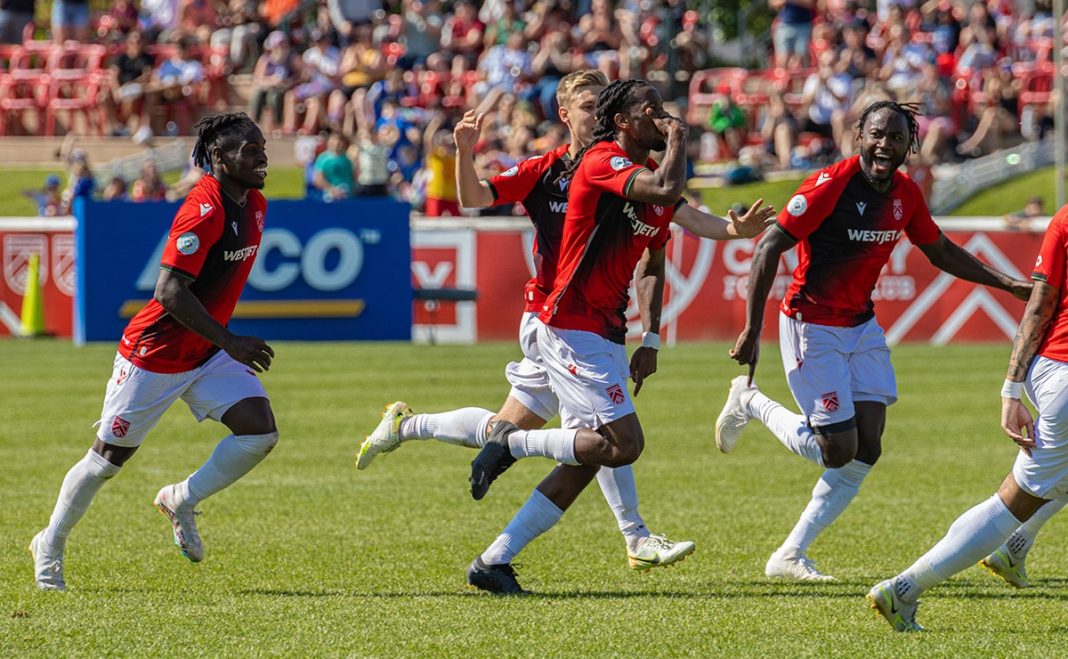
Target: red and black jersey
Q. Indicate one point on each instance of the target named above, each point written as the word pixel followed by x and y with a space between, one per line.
pixel 213 241
pixel 847 231
pixel 1052 267
pixel 533 183
pixel 605 234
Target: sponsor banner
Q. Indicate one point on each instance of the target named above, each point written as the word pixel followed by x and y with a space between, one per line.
pixel 52 240
pixel 322 272
pixel 707 282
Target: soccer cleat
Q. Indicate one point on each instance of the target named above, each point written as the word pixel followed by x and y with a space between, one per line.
pixel 658 551
pixel 47 564
pixel 498 579
pixel 386 435
pixel 1000 564
pixel 183 520
pixel 794 566
pixel 901 615
pixel 493 460
pixel 734 416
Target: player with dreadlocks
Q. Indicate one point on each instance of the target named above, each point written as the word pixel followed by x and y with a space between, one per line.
pixel 179 346
pixel 845 220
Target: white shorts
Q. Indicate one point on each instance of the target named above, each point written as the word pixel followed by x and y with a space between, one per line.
pixel 830 368
pixel 1044 473
pixel 589 375
pixel 136 398
pixel 530 382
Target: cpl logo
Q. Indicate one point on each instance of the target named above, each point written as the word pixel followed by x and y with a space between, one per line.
pixel 330 260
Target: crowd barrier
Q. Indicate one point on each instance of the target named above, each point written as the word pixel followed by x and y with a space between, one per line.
pixel 319 260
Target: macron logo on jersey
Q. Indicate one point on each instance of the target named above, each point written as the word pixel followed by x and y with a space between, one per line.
pixel 558 206
pixel 878 237
pixel 861 205
pixel 239 254
pixel 205 209
pixel 640 228
pixel 822 178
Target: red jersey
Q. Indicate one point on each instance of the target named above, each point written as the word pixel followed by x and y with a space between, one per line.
pixel 533 183
pixel 213 241
pixel 847 231
pixel 1051 268
pixel 605 234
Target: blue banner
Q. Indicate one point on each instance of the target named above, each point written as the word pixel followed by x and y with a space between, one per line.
pixel 337 271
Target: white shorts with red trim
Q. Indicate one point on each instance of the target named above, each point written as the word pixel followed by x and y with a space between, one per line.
pixel 530 382
pixel 136 399
pixel 830 368
pixel 1044 473
pixel 589 375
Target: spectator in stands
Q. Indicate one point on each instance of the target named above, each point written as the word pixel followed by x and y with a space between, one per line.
pixel 333 170
pixel 70 20
pixel 239 34
pixel 935 97
pixel 1021 219
pixel 115 190
pixel 903 61
pixel 319 77
pixel 148 186
pixel 779 129
pixel 727 121
pixel 159 19
pixel 825 100
pixel 371 155
pixel 275 74
pixel 347 15
pixel 175 84
pixel 361 66
pixel 552 62
pixel 998 113
pixel 123 98
pixel 440 169
pixel 598 35
pixel 504 22
pixel 119 20
pixel 857 58
pixel 48 199
pixel 80 183
pixel 504 68
pixel 420 31
pixel 461 37
pixel 792 31
pixel 198 18
pixel 15 16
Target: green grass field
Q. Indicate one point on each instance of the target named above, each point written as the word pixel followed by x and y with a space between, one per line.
pixel 308 557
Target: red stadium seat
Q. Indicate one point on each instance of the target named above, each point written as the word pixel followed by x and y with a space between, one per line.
pixel 19 96
pixel 74 96
pixel 1037 87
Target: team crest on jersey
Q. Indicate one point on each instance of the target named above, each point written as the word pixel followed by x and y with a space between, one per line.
pixel 899 210
pixel 259 220
pixel 120 426
pixel 659 210
pixel 830 401
pixel 1038 263
pixel 615 392
pixel 797 205
pixel 619 163
pixel 511 172
pixel 188 243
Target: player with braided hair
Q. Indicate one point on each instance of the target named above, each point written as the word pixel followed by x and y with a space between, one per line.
pixel 845 220
pixel 179 346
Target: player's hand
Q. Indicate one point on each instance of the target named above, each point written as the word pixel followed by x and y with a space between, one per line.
pixel 1017 423
pixel 1021 289
pixel 746 350
pixel 755 220
pixel 668 124
pixel 250 351
pixel 642 365
pixel 468 131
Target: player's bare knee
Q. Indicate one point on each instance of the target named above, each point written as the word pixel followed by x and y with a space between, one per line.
pixel 869 455
pixel 838 443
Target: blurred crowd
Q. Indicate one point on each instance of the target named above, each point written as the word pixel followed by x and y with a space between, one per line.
pixel 979 70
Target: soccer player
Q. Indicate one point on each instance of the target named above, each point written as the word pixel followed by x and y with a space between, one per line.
pixel 846 220
pixel 1039 478
pixel 531 401
pixel 178 346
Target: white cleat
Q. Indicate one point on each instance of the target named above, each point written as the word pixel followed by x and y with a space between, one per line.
pixel 1000 564
pixel 183 521
pixel 794 566
pixel 734 416
pixel 386 435
pixel 900 614
pixel 658 551
pixel 47 564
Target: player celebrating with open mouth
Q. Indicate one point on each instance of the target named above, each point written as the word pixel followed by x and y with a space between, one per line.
pixel 178 346
pixel 846 220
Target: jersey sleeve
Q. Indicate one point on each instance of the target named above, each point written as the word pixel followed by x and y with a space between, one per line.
pixel 921 229
pixel 513 185
pixel 1050 265
pixel 196 228
pixel 813 202
pixel 610 171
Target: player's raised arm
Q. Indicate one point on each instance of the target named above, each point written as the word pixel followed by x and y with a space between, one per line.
pixel 473 192
pixel 714 227
pixel 649 287
pixel 950 257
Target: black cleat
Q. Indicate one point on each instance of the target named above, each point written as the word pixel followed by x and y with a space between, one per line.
pixel 498 579
pixel 492 461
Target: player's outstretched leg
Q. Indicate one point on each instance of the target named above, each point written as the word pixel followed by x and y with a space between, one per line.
pixel 1008 560
pixel 493 460
pixel 386 436
pixel 645 550
pixel 172 504
pixel 735 414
